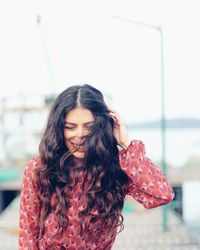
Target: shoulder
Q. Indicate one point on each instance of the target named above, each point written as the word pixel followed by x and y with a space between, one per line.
pixel 32 164
pixel 29 171
pixel 135 148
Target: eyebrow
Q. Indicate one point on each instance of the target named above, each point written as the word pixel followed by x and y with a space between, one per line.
pixel 86 123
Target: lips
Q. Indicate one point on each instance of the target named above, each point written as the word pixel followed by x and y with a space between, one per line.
pixel 78 147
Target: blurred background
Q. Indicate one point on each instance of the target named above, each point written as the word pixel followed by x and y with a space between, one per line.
pixel 144 56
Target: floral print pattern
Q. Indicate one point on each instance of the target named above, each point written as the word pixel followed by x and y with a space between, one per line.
pixel 148 186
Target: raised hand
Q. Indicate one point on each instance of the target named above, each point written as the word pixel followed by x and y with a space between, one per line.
pixel 120 130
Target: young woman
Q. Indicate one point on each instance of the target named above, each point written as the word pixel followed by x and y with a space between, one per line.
pixel 73 192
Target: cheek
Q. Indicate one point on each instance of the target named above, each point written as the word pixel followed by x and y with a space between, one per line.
pixel 68 135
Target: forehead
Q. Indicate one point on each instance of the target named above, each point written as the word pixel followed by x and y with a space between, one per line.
pixel 79 115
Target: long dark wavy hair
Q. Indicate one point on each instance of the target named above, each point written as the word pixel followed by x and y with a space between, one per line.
pixel 107 188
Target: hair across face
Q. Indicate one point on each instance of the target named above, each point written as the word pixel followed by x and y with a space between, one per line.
pixel 80 127
pixel 79 104
pixel 78 124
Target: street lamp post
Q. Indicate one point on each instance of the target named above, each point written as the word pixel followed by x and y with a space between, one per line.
pixel 50 75
pixel 162 118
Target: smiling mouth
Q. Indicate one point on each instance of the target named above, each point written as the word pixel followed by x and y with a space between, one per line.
pixel 78 147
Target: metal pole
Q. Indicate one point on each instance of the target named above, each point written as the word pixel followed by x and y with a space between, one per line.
pixel 47 55
pixel 162 118
pixel 163 122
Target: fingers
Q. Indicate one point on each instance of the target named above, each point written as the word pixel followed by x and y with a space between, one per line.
pixel 115 116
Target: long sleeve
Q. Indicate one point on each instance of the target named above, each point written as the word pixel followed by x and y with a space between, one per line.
pixel 29 211
pixel 148 184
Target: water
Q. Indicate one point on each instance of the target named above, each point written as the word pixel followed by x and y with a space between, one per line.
pixel 181 144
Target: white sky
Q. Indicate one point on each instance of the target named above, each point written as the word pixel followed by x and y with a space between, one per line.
pixel 81 42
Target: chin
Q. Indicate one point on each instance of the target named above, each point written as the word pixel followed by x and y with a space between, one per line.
pixel 79 155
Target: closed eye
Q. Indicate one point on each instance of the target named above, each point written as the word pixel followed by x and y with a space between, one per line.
pixel 88 127
pixel 67 127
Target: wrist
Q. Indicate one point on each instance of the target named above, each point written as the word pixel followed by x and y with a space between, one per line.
pixel 126 143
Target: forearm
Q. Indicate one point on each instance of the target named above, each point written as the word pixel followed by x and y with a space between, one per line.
pixel 148 184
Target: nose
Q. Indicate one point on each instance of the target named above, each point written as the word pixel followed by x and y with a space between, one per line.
pixel 80 133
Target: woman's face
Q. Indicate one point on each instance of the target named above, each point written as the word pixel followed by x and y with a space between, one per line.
pixel 78 123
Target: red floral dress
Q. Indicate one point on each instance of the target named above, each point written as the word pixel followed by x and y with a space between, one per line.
pixel 149 187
